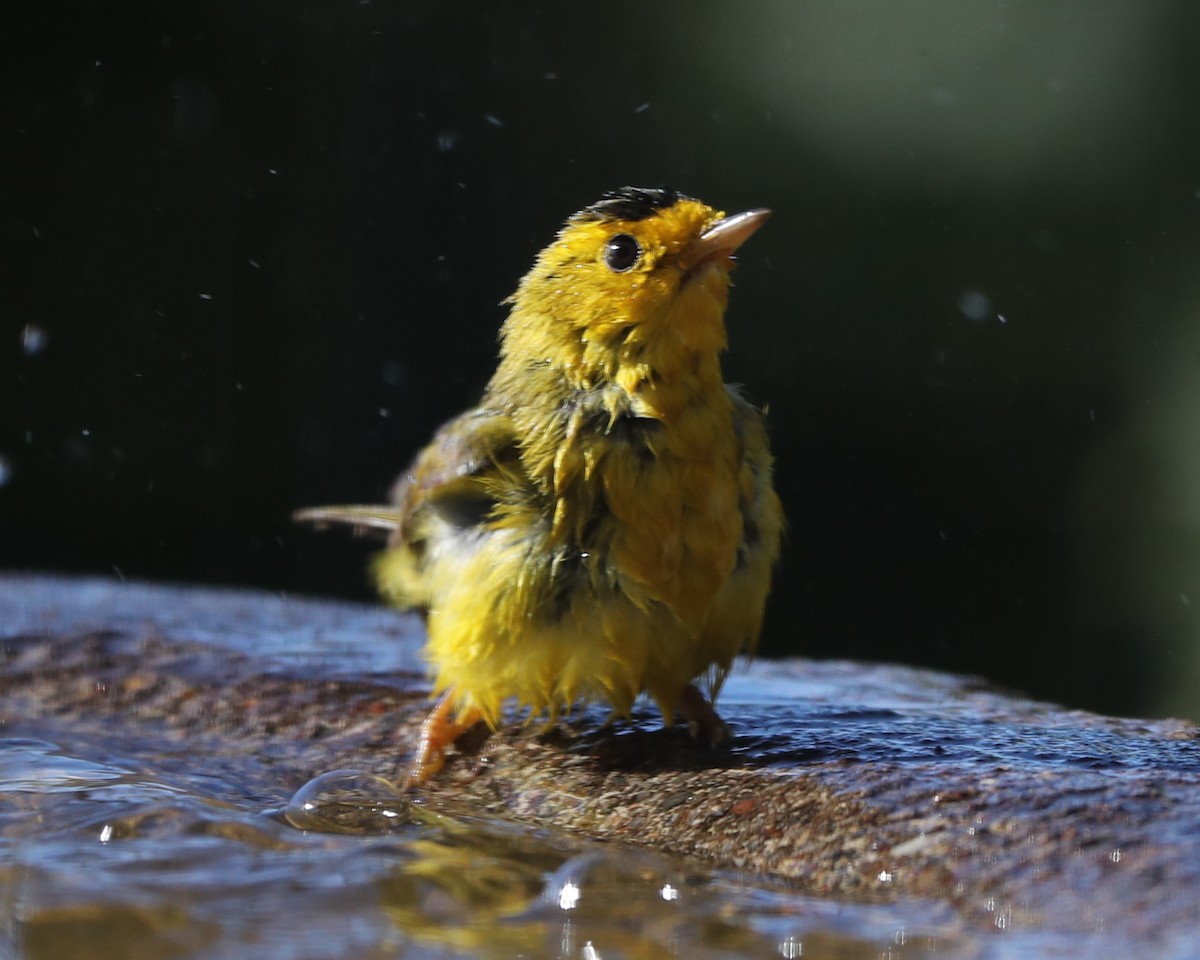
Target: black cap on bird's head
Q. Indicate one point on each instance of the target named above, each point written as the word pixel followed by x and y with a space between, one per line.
pixel 628 203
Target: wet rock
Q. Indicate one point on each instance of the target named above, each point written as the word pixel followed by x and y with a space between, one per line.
pixel 849 780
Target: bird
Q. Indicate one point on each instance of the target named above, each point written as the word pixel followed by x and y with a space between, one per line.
pixel 604 523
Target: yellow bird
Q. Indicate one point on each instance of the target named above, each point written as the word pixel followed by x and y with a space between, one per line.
pixel 603 524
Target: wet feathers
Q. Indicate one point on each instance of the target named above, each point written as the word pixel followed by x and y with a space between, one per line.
pixel 603 523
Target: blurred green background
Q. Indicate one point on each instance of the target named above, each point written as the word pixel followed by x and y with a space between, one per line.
pixel 253 253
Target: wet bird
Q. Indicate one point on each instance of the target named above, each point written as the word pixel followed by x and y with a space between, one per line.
pixel 603 524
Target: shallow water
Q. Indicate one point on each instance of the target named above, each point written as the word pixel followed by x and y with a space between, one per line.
pixel 105 857
pixel 133 844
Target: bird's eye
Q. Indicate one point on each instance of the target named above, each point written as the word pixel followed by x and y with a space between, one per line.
pixel 622 252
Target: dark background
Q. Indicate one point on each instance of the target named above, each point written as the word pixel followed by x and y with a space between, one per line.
pixel 253 253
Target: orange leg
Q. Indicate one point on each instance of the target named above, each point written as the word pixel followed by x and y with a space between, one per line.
pixel 439 730
pixel 702 720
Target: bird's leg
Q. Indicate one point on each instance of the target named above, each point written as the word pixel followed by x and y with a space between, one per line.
pixel 439 730
pixel 701 719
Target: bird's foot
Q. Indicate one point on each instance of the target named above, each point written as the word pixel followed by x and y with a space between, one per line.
pixel 702 720
pixel 440 729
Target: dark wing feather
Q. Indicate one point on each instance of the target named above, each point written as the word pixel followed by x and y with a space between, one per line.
pixel 445 477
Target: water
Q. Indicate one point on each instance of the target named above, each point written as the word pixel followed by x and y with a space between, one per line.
pixel 106 856
pixel 126 836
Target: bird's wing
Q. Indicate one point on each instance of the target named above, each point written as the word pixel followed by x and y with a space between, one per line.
pixel 445 476
pixel 453 475
pixel 446 498
pixel 762 515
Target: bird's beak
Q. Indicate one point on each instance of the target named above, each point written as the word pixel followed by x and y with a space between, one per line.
pixel 721 239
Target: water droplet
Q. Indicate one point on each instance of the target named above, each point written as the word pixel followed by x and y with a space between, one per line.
pixel 349 802
pixel 568 896
pixel 791 949
pixel 6 471
pixel 975 305
pixel 493 120
pixel 33 339
pixel 596 883
pixel 641 108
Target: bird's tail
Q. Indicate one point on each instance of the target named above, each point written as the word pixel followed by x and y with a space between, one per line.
pixel 362 518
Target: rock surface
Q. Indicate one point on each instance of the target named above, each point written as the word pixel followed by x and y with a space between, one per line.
pixel 849 780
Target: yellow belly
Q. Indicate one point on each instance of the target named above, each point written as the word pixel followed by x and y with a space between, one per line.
pixel 636 594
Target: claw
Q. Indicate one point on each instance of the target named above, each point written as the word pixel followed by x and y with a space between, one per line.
pixel 439 730
pixel 702 720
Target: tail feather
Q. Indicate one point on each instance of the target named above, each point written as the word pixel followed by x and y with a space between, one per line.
pixel 362 518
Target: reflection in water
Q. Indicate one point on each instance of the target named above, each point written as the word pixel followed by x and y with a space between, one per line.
pixel 106 858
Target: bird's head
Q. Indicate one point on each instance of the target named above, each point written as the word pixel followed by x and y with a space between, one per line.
pixel 632 288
